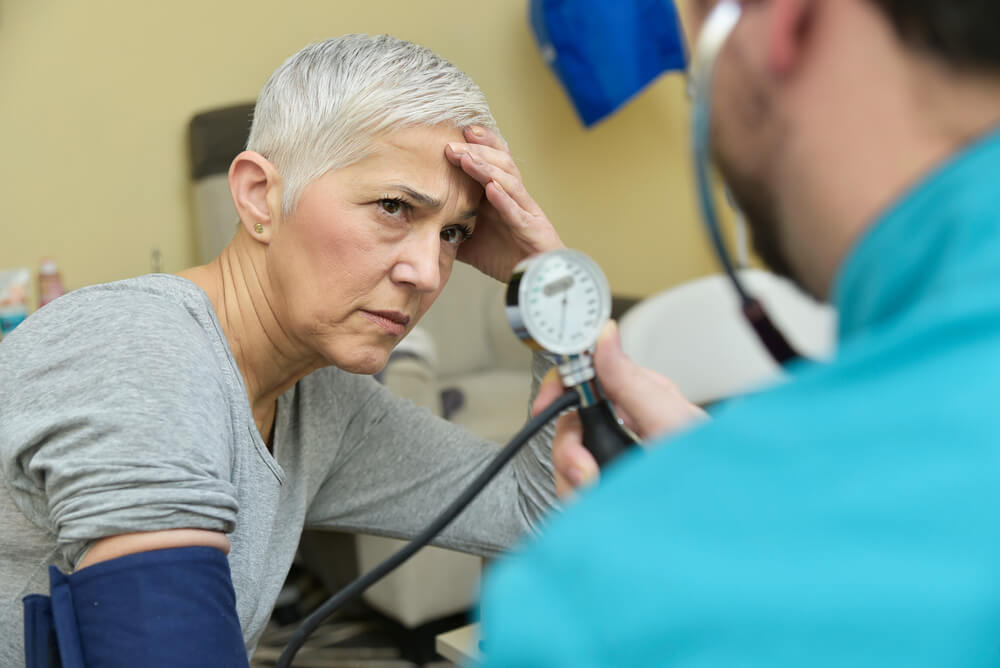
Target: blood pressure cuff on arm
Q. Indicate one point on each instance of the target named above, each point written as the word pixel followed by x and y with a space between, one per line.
pixel 173 607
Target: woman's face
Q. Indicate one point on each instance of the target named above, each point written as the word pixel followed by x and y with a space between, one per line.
pixel 369 247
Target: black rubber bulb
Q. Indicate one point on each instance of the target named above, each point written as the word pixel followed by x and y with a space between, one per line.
pixel 603 435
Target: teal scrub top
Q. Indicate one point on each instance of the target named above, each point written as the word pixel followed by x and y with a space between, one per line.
pixel 850 517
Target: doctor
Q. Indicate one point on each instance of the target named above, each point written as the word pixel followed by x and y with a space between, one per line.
pixel 849 516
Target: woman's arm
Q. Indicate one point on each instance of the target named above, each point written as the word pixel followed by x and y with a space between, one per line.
pixel 113 547
pixel 398 466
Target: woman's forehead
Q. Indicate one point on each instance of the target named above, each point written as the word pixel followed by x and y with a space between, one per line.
pixel 420 137
pixel 415 157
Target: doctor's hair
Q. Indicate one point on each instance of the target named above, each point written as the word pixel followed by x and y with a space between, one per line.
pixel 962 33
pixel 324 107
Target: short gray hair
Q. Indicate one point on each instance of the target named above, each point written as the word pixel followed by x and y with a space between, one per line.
pixel 325 105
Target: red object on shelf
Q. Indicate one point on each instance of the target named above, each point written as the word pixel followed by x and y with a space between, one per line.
pixel 50 283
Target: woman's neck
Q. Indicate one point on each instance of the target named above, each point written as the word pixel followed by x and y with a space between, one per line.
pixel 269 361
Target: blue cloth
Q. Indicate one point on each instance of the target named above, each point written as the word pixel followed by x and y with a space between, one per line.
pixel 166 608
pixel 848 518
pixel 604 52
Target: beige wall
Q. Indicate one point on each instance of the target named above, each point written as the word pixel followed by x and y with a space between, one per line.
pixel 95 97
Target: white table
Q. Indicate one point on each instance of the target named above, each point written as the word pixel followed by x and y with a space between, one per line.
pixel 460 645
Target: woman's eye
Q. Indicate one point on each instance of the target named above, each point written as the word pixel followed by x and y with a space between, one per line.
pixel 391 205
pixel 455 235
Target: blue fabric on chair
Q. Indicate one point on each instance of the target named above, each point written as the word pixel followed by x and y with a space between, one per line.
pixel 606 51
pixel 173 607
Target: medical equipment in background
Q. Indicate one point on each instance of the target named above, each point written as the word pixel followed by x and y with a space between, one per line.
pixel 557 302
pixel 714 33
pixel 604 54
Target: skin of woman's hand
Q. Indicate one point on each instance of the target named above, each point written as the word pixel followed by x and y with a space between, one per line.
pixel 510 225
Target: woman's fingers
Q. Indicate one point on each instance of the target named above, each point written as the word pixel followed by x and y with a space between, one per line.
pixel 509 208
pixel 510 184
pixel 510 225
pixel 477 134
pixel 488 162
pixel 497 157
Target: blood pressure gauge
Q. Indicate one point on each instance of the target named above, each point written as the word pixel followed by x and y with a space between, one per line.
pixel 558 302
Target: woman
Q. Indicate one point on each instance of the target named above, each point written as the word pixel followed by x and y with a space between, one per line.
pixel 220 411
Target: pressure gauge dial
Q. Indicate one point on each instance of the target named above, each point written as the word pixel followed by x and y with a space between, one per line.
pixel 558 302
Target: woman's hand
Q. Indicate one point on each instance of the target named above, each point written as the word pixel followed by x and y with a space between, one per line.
pixel 648 403
pixel 510 226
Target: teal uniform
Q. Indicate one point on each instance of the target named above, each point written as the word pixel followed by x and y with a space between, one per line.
pixel 850 517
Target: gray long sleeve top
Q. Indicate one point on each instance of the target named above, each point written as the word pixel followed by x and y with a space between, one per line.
pixel 122 409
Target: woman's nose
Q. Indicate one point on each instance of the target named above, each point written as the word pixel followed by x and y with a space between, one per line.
pixel 419 263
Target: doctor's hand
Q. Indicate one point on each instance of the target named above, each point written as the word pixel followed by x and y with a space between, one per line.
pixel 510 225
pixel 648 403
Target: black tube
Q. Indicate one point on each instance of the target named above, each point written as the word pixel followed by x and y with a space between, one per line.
pixel 312 622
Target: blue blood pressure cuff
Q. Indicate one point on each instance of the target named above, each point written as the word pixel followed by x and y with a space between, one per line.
pixel 173 607
pixel 606 51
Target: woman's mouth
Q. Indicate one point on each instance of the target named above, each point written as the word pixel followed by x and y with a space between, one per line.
pixel 392 322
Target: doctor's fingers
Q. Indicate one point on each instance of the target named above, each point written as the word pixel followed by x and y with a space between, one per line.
pixel 649 403
pixel 573 465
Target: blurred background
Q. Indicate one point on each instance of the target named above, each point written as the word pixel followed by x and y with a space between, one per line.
pixel 95 100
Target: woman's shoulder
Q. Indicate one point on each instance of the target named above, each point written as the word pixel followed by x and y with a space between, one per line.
pixel 157 306
pixel 150 297
pixel 134 326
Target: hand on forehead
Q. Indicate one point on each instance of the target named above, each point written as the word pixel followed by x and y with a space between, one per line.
pixel 413 161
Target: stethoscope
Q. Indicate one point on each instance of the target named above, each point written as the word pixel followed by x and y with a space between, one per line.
pixel 718 27
pixel 557 303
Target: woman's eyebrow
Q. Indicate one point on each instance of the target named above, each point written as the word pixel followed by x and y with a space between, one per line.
pixel 420 198
pixel 429 201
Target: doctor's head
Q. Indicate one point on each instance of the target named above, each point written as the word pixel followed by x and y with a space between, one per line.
pixel 826 111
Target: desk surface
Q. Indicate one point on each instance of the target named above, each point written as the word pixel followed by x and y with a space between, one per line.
pixel 460 645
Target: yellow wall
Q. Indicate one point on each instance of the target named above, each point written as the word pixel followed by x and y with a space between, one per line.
pixel 95 98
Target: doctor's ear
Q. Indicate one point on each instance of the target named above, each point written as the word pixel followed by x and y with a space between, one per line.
pixel 257 189
pixel 788 30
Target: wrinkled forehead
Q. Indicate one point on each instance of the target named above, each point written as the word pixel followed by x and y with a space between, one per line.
pixel 415 157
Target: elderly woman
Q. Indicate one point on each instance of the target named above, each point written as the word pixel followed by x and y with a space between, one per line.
pixel 150 427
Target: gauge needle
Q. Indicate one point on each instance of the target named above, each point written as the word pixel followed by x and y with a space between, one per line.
pixel 562 323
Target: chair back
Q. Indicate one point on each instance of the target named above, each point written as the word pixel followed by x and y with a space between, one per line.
pixel 695 334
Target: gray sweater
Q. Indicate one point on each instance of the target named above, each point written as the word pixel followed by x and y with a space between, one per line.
pixel 122 410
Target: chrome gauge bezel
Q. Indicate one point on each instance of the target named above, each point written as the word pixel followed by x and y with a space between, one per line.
pixel 526 277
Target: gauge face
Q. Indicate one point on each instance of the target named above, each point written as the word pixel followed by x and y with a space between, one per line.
pixel 563 301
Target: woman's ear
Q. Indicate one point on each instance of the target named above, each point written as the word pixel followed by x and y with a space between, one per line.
pixel 257 191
